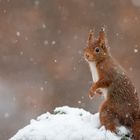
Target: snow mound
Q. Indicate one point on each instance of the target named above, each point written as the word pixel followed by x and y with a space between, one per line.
pixel 68 123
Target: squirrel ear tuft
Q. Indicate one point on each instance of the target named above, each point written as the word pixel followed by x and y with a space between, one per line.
pixel 91 38
pixel 102 38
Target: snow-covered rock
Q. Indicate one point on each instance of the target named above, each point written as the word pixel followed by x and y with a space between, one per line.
pixel 68 124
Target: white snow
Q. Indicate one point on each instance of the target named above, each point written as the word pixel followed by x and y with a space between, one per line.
pixel 67 124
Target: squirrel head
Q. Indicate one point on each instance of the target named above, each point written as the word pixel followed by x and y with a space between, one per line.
pixel 97 48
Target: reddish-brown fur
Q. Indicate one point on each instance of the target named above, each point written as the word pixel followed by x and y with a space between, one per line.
pixel 121 106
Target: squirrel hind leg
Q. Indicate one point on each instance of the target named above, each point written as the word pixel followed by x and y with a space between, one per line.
pixel 108 118
pixel 108 121
pixel 136 130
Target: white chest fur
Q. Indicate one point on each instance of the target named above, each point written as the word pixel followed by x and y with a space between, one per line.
pixel 95 77
pixel 94 72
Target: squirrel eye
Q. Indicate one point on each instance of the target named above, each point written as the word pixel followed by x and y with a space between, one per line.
pixel 97 50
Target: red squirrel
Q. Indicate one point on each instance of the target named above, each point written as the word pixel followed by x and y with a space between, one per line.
pixel 121 104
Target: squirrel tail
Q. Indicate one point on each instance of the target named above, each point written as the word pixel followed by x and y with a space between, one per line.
pixel 136 129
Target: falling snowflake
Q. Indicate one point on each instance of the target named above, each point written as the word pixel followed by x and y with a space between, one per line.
pixel 36 3
pixel 130 69
pixel 136 2
pixel 75 37
pixel 18 33
pixel 53 42
pixel 26 38
pixel 45 82
pixel 43 26
pixel 135 50
pixel 21 53
pixel 74 68
pixel 31 59
pixel 46 42
pixel 42 88
pixel 55 60
pixel 4 11
pixel 117 34
pixel 6 115
pixel 79 102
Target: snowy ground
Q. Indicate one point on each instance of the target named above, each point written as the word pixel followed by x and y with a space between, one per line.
pixel 68 124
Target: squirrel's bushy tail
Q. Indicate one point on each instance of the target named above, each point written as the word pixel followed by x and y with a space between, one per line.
pixel 136 129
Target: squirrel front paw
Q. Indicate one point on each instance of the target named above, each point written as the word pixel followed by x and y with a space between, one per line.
pixel 94 92
pixel 91 93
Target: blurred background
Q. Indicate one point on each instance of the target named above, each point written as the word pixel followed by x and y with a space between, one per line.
pixel 41 54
